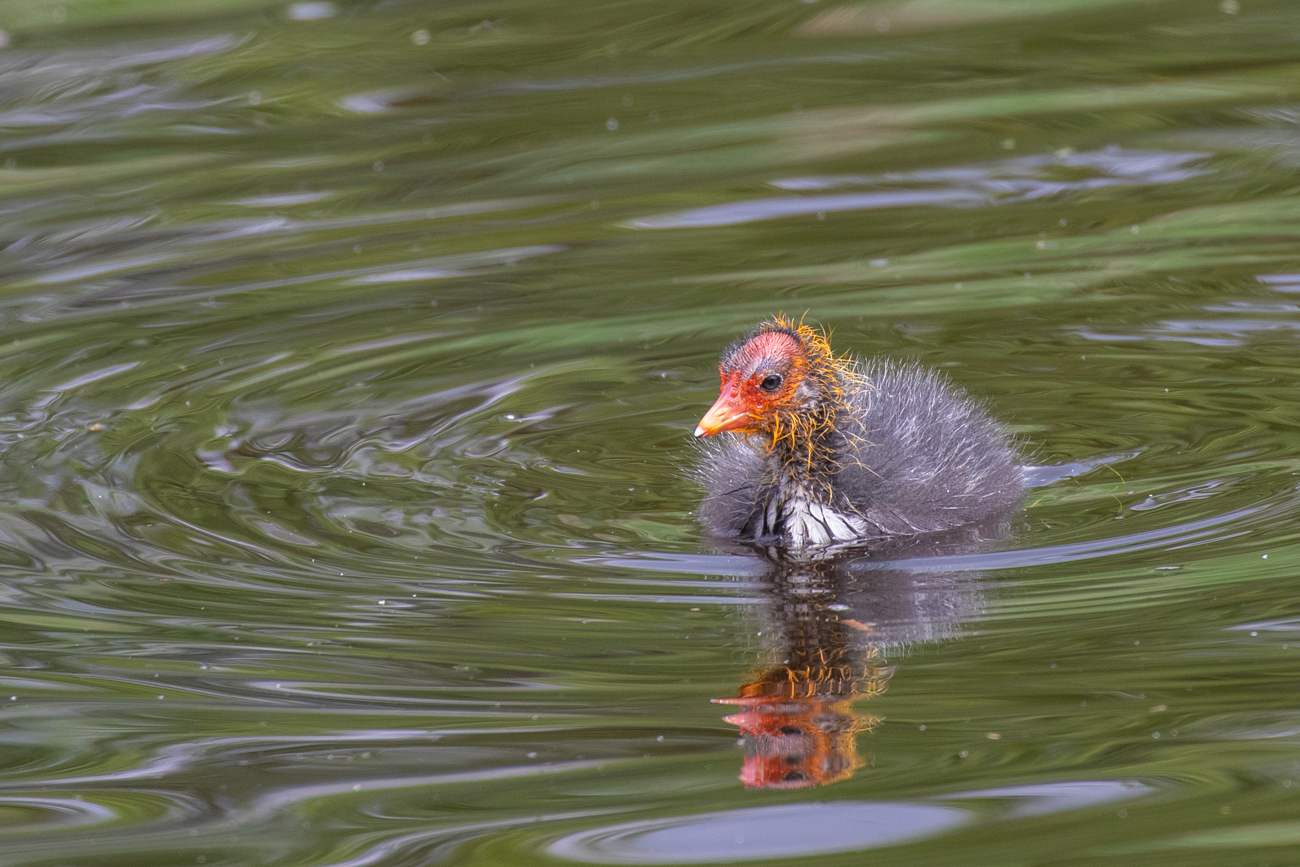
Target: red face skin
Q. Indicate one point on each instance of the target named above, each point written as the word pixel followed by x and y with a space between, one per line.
pixel 745 405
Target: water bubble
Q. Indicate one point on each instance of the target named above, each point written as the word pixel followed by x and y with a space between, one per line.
pixel 1229 7
pixel 420 37
pixel 611 124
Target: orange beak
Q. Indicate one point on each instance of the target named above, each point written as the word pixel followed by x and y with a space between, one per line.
pixel 727 413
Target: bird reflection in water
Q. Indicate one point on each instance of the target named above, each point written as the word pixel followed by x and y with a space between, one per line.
pixel 830 623
pixel 796 718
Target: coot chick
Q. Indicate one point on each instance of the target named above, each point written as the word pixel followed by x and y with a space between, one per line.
pixel 825 451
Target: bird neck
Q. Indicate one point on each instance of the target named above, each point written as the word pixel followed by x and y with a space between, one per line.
pixel 804 441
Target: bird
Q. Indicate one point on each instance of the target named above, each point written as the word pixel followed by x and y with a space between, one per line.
pixel 816 451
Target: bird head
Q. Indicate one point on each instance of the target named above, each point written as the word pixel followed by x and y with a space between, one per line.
pixel 781 380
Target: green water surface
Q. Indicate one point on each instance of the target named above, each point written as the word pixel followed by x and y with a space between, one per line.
pixel 349 354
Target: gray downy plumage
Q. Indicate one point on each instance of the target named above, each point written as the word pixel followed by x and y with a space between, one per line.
pixel 911 454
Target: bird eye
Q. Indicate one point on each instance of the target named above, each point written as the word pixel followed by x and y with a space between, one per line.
pixel 771 382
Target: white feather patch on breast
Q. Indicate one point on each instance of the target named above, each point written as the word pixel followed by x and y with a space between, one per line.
pixel 807 523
